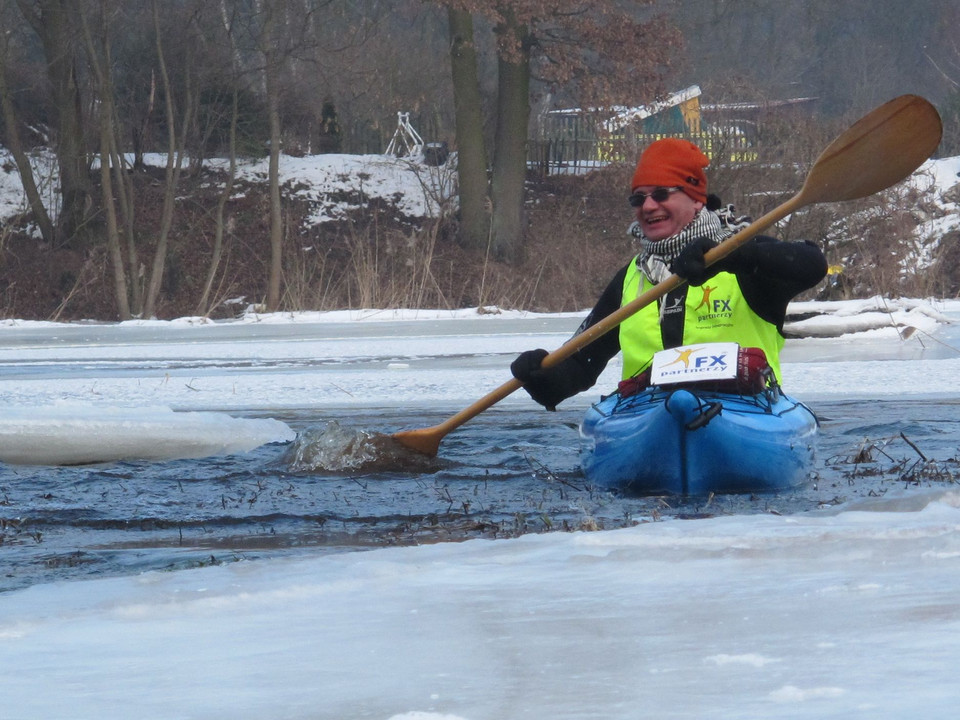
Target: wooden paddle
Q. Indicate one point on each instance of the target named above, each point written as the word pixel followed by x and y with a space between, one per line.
pixel 879 150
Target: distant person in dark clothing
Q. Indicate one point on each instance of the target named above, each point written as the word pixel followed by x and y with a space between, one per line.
pixel 742 298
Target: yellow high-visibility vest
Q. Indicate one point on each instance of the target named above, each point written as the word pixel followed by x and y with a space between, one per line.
pixel 714 312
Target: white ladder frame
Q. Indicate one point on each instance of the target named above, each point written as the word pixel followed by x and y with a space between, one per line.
pixel 405 136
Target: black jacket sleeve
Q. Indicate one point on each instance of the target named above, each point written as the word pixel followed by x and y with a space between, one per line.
pixel 771 273
pixel 580 371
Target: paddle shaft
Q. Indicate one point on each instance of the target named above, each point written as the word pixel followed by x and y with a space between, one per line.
pixel 880 149
pixel 614 319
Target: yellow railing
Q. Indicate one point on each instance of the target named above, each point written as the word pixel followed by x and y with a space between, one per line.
pixel 586 152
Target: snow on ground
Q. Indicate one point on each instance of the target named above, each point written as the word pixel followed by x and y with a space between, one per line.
pixel 12 198
pixel 339 183
pixel 335 183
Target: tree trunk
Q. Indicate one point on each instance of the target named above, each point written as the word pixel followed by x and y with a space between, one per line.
pixel 206 303
pixel 11 124
pixel 204 306
pixel 471 150
pixel 123 184
pixel 55 24
pixel 172 175
pixel 271 72
pixel 110 212
pixel 276 228
pixel 510 151
pixel 100 65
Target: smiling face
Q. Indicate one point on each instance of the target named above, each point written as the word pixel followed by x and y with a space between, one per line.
pixel 660 220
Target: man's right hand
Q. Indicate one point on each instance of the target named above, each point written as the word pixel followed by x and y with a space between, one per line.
pixel 527 364
pixel 546 386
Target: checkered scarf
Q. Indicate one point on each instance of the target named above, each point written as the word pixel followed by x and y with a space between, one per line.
pixel 656 255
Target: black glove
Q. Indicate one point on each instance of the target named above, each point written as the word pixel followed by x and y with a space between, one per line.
pixel 546 386
pixel 690 265
pixel 527 365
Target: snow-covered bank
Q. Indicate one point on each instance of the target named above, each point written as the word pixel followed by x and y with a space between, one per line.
pixel 66 434
pixel 826 615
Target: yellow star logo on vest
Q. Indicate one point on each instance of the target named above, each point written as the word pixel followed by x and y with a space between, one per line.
pixel 683 356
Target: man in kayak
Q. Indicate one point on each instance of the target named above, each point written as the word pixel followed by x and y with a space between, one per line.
pixel 742 298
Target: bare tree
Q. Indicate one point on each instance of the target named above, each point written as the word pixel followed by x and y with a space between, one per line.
pixel 944 56
pixel 175 152
pixel 515 40
pixel 598 53
pixel 55 22
pixel 226 22
pixel 271 44
pixel 284 34
pixel 99 59
pixel 471 149
pixel 12 123
pixel 851 56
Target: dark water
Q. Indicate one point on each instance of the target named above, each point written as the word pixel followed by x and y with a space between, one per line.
pixel 502 474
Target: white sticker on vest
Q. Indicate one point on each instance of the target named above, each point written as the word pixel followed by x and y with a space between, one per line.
pixel 695 363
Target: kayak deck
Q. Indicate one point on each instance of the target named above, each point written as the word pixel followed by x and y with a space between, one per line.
pixel 695 442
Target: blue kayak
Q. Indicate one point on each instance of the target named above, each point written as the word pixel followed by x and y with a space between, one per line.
pixel 695 442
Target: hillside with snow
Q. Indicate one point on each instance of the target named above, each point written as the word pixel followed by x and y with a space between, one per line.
pixel 380 230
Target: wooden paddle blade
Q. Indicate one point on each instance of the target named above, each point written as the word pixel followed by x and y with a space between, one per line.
pixel 879 150
pixel 425 441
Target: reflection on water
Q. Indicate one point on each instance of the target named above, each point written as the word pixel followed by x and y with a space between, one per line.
pixel 504 473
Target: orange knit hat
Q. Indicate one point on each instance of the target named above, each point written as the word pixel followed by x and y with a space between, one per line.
pixel 672 162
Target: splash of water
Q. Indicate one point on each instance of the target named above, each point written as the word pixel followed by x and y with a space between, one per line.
pixel 334 448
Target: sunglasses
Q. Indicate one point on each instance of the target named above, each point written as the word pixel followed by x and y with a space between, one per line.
pixel 659 195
